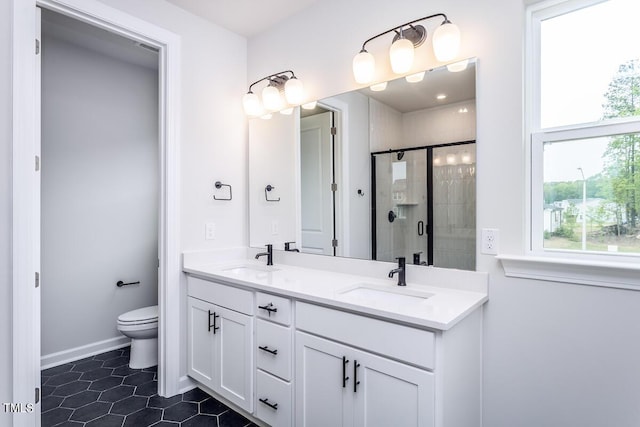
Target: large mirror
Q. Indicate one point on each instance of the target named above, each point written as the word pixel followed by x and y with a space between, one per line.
pixel 375 173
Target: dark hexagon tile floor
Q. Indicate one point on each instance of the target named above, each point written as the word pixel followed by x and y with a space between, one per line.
pixel 102 391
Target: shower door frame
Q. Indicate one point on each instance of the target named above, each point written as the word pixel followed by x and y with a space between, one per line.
pixel 430 216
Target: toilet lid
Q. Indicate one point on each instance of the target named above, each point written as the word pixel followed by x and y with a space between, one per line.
pixel 140 315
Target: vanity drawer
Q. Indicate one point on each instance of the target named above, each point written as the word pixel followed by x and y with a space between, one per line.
pixel 274 308
pixel 415 346
pixel 273 391
pixel 274 338
pixel 223 295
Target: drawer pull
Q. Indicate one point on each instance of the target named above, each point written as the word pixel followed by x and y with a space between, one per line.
pixel 356 365
pixel 266 348
pixel 273 406
pixel 269 307
pixel 215 316
pixel 345 361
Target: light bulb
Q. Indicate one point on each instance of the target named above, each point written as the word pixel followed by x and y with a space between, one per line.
pixel 446 41
pixel 294 91
pixel 364 66
pixel 271 98
pixel 287 111
pixel 310 105
pixel 378 87
pixel 458 66
pixel 401 56
pixel 251 104
pixel 415 78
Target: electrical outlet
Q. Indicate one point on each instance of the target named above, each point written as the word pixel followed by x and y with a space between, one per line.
pixel 274 228
pixel 490 241
pixel 210 231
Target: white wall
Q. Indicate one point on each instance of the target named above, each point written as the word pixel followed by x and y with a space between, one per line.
pixel 5 210
pixel 554 354
pixel 99 199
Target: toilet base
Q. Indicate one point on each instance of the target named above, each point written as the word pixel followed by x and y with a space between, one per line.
pixel 144 353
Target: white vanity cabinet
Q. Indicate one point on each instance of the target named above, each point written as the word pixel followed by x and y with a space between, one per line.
pixel 274 360
pixel 220 340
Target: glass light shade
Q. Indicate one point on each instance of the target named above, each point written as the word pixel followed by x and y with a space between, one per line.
pixel 271 98
pixel 378 87
pixel 251 104
pixel 415 78
pixel 451 159
pixel 401 56
pixel 458 66
pixel 364 66
pixel 446 42
pixel 266 116
pixel 287 111
pixel 310 105
pixel 294 91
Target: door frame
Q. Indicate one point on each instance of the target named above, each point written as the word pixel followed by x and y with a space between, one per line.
pixel 25 184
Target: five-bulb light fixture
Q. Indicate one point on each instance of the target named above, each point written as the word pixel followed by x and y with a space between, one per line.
pixel 446 44
pixel 272 100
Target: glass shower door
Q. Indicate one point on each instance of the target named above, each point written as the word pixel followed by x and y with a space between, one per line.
pixel 401 205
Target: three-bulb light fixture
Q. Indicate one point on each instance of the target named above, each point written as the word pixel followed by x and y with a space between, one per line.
pixel 445 41
pixel 272 99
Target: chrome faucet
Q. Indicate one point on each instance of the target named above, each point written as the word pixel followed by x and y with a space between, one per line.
pixel 269 254
pixel 401 271
pixel 288 248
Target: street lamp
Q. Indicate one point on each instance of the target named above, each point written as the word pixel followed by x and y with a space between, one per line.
pixel 584 211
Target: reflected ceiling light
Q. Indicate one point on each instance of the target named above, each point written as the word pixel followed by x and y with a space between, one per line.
pixel 378 87
pixel 441 96
pixel 466 157
pixel 272 99
pixel 451 159
pixel 446 44
pixel 463 110
pixel 436 160
pixel 287 111
pixel 458 66
pixel 415 78
pixel 310 105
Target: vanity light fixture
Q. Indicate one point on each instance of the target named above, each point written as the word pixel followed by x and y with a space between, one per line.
pixel 378 87
pixel 458 66
pixel 309 105
pixel 446 44
pixel 272 99
pixel 415 78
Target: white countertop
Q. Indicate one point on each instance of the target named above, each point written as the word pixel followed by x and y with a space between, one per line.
pixel 437 305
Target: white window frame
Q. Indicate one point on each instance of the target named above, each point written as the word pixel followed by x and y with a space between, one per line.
pixel 588 268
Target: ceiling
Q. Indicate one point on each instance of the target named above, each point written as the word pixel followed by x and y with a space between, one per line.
pixel 244 17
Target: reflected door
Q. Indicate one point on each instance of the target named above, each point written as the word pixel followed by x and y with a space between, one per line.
pixel 401 205
pixel 316 172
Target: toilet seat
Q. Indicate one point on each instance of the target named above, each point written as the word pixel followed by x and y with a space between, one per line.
pixel 142 316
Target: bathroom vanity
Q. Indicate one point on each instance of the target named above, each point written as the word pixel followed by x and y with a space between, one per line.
pixel 319 341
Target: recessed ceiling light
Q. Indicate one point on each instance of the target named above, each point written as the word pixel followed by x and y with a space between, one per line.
pixel 441 96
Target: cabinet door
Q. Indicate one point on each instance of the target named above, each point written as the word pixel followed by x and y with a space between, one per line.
pixel 201 347
pixel 321 398
pixel 236 364
pixel 392 393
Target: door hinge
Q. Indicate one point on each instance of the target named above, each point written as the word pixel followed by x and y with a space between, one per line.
pixel 334 187
pixel 37 163
pixel 37 47
pixel 37 400
pixel 334 130
pixel 37 279
pixel 334 243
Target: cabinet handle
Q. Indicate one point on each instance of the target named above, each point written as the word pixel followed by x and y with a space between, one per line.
pixel 215 316
pixel 273 406
pixel 356 365
pixel 266 348
pixel 269 307
pixel 345 361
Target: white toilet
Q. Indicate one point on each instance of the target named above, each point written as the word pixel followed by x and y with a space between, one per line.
pixel 141 326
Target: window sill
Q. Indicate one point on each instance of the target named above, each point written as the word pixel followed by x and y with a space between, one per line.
pixel 576 271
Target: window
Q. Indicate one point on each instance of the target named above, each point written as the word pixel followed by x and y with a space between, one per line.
pixel 584 122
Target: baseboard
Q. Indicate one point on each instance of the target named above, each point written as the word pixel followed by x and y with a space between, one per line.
pixel 77 353
pixel 185 384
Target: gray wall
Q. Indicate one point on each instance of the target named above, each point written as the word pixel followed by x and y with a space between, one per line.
pixel 99 193
pixel 5 208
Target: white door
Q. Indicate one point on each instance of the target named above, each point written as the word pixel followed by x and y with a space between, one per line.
pixel 201 347
pixel 392 394
pixel 323 390
pixel 235 367
pixel 316 173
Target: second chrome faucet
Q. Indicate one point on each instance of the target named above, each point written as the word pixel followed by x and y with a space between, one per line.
pixel 401 270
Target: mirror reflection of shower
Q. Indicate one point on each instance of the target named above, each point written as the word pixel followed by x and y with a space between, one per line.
pixel 424 205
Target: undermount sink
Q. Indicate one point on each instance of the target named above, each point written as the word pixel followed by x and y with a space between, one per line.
pixel 249 269
pixel 377 295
